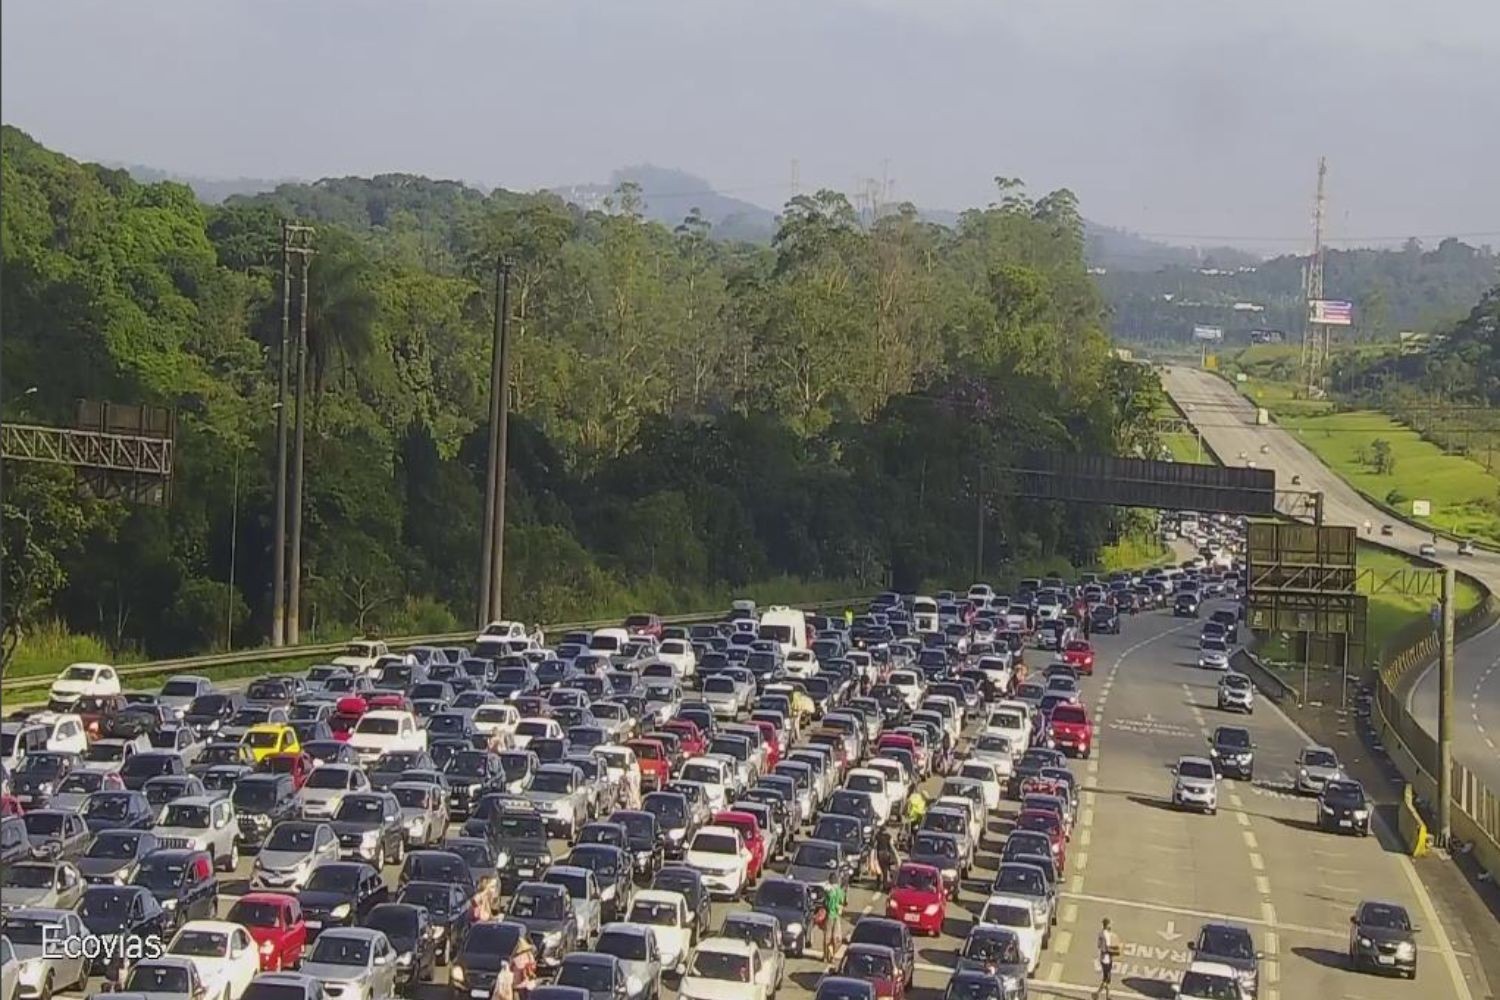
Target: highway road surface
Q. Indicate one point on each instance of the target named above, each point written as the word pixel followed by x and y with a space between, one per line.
pixel 1227 422
pixel 1158 873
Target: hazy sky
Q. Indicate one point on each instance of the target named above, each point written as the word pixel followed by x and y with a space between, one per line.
pixel 1173 117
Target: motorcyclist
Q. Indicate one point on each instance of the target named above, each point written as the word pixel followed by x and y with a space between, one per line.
pixel 887 857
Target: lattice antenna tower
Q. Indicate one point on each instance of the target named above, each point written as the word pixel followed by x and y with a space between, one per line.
pixel 1315 345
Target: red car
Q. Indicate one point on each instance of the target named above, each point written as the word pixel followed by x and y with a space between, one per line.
pixel 298 765
pixel 1072 730
pixel 1037 784
pixel 346 715
pixel 689 736
pixel 772 738
pixel 876 964
pixel 651 760
pixel 644 624
pixel 1048 823
pixel 390 701
pixel 1079 654
pixel 918 898
pixel 275 924
pixel 755 841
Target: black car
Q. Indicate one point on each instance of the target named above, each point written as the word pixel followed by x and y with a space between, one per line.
pixel 1343 808
pixel 410 930
pixel 1230 620
pixel 846 831
pixel 166 788
pixel 450 912
pixel 1231 945
pixel 1104 619
pixel 260 802
pixel 674 816
pixel 223 754
pixel 601 975
pixel 35 781
pixel 479 853
pixel 1030 765
pixel 994 950
pixel 221 778
pixel 122 911
pixel 389 767
pixel 488 946
pixel 1233 752
pixel 1382 938
pixel 369 828
pixel 340 894
pixel 645 839
pixel 437 866
pixel 142 767
pixel 969 984
pixel 208 712
pixel 518 835
pixel 794 905
pixel 546 911
pixel 470 773
pixel 612 871
pixel 1185 604
pixel 113 856
pixel 184 883
pixel 604 832
pixel 688 882
pixel 894 935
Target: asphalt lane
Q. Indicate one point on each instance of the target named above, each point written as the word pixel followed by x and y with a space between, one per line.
pixel 1227 422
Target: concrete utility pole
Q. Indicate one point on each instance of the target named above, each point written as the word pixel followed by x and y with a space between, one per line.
pixel 278 558
pixel 493 568
pixel 979 527
pixel 1445 712
pixel 294 595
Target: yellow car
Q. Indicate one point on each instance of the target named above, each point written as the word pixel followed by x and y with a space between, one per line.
pixel 269 738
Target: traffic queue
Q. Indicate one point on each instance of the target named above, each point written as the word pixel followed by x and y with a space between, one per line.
pixel 560 817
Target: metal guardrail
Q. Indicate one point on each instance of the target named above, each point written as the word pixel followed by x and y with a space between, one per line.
pixel 205 664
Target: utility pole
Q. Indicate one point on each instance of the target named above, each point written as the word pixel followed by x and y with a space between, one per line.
pixel 294 596
pixel 491 577
pixel 278 558
pixel 1445 712
pixel 979 527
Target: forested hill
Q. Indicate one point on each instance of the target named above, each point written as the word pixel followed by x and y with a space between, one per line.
pixel 692 416
pixel 1413 288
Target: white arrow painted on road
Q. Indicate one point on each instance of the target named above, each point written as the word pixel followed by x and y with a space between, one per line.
pixel 1170 934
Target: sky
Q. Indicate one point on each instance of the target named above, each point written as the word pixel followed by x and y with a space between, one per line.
pixel 1192 120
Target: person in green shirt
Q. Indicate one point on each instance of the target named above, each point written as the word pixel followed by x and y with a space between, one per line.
pixel 833 906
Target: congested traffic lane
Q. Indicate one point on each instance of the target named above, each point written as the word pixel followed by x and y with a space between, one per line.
pixel 1159 873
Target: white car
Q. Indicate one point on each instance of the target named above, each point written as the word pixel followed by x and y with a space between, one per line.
pixel 995 749
pixel 1214 655
pixel 895 777
pixel 997 667
pixel 609 641
pixel 9 971
pixel 1195 784
pixel 718 853
pixel 361 655
pixel 679 655
pixel 666 913
pixel 503 630
pixel 79 679
pixel 873 783
pixel 800 663
pixel 326 787
pixel 724 969
pixel 1011 719
pixel 966 806
pixel 989 779
pixel 621 766
pixel 1427 550
pixel 224 954
pixel 386 731
pixel 715 774
pixel 950 710
pixel 924 614
pixel 201 823
pixel 65 731
pixel 496 719
pixel 1024 916
pixel 1211 981
pixel 909 684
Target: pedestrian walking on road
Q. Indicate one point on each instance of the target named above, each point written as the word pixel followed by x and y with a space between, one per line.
pixel 833 907
pixel 1109 950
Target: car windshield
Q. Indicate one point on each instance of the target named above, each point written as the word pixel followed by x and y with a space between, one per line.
pixel 290 837
pixel 199 944
pixel 720 965
pixel 868 964
pixel 656 913
pixel 1238 738
pixel 1385 916
pixel 105 752
pixel 715 843
pixel 1006 915
pixel 1319 758
pixel 44 823
pixel 1215 646
pixel 592 975
pixel 181 814
pixel 26 876
pixel 411 796
pixel 254 914
pixel 627 945
pixel 328 778
pixel 82 781
pixel 398 922
pixel 376 726
pixel 1206 986
pixel 159 979
pixel 920 879
pixel 1196 769
pixel 341 949
pixel 1225 942
pixel 934 844
pixel 157 873
pixel 334 878
pixel 823 856
pixel 993 744
pixel 546 906
pixel 255 796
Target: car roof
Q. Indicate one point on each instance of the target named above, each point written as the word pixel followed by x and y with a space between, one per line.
pixel 360 933
pixel 1214 969
pixel 199 800
pixel 727 945
pixel 1194 759
pixel 659 896
pixel 216 926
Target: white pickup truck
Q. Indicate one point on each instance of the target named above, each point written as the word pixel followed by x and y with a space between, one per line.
pixel 361 655
pixel 384 731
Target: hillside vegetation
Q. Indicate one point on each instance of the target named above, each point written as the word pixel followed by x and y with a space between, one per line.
pixel 692 416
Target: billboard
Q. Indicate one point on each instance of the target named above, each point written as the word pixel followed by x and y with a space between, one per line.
pixel 1208 333
pixel 1331 312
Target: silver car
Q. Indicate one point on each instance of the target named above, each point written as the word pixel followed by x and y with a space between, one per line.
pixel 201 823
pixel 424 812
pixel 326 787
pixel 39 974
pixel 1316 767
pixel 54 885
pixel 635 946
pixel 290 852
pixel 180 690
pixel 353 963
pixel 1195 784
pixel 583 891
pixel 764 931
pixel 557 792
pixel 165 978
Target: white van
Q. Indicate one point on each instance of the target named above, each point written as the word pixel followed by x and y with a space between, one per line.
pixel 786 626
pixel 608 641
pixel 924 614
